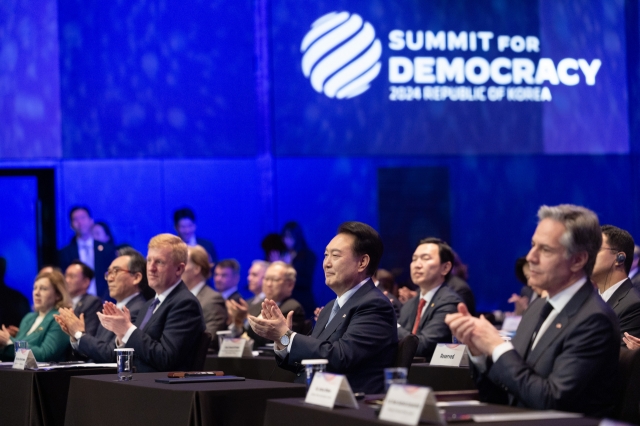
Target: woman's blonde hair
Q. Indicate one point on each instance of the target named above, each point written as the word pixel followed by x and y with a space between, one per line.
pixel 59 286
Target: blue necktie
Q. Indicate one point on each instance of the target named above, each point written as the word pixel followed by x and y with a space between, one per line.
pixel 334 311
pixel 147 316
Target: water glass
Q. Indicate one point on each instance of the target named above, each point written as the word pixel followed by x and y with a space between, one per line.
pixel 394 376
pixel 313 366
pixel 124 363
pixel 221 335
pixel 20 344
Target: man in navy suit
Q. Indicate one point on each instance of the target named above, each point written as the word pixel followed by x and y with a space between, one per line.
pixel 564 355
pixel 78 277
pixel 611 275
pixel 169 327
pixel 424 314
pixel 184 220
pixel 124 276
pixel 356 332
pixel 93 253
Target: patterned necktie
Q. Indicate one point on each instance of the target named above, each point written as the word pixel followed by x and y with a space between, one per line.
pixel 416 323
pixel 147 316
pixel 334 311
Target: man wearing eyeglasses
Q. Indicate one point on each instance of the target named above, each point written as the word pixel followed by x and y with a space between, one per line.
pixel 277 285
pixel 123 277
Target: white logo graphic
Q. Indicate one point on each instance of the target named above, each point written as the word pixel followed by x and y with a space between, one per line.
pixel 341 55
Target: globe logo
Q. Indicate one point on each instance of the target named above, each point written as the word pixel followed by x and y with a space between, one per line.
pixel 341 55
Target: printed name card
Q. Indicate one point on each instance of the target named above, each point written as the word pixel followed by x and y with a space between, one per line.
pixel 511 323
pixel 408 405
pixel 453 355
pixel 25 360
pixel 235 348
pixel 329 390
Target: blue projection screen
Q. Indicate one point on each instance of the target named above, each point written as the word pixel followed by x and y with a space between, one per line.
pixel 378 77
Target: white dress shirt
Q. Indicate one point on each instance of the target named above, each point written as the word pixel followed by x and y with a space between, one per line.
pixel 87 256
pixel 228 292
pixel 609 292
pixel 195 290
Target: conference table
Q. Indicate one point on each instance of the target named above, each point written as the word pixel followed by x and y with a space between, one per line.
pixel 288 412
pixel 38 397
pixel 103 401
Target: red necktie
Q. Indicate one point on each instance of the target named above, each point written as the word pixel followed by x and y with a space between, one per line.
pixel 417 322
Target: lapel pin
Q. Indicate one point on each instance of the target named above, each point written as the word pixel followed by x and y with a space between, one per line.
pixel 558 325
pixel 40 328
pixel 100 248
pixel 344 315
pixel 433 304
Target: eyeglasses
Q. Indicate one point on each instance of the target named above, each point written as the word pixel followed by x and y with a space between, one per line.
pixel 114 272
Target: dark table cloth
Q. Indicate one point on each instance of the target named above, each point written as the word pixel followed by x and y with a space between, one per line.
pixel 288 412
pixel 103 401
pixel 257 368
pixel 441 378
pixel 37 398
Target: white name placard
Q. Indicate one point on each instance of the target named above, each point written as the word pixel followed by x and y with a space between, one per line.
pixel 408 405
pixel 235 348
pixel 511 323
pixel 454 355
pixel 329 390
pixel 25 360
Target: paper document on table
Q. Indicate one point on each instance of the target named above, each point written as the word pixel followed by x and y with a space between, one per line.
pixel 47 367
pixel 459 403
pixel 528 415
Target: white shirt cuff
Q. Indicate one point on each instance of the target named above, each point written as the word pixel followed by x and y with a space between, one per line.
pixel 480 361
pixel 500 350
pixel 128 334
pixel 75 345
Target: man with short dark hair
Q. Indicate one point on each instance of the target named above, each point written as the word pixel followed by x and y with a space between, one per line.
pixel 424 314
pixel 184 220
pixel 356 332
pixel 226 278
pixel 78 276
pixel 610 275
pixel 92 253
pixel 633 273
pixel 564 355
pixel 123 277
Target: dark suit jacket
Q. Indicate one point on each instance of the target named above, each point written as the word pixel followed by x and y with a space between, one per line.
pixel 573 367
pixel 13 305
pixel 432 329
pixel 100 347
pixel 89 306
pixel 286 306
pixel 635 280
pixel 304 263
pixel 214 311
pixel 461 287
pixel 625 302
pixel 104 253
pixel 170 338
pixel 209 247
pixel 48 342
pixel 235 296
pixel 360 341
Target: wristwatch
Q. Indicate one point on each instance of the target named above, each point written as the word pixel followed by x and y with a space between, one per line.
pixel 285 339
pixel 78 335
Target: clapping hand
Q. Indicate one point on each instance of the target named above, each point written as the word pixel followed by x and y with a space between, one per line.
pixel 115 320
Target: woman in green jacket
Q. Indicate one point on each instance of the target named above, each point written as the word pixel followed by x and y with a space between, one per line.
pixel 46 339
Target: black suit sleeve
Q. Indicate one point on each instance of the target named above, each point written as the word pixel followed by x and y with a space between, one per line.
pixel 91 321
pixel 99 350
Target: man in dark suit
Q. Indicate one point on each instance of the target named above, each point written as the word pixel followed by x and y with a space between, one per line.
pixel 356 332
pixel 124 276
pixel 610 274
pixel 13 304
pixel 78 277
pixel 93 253
pixel 226 278
pixel 254 281
pixel 184 220
pixel 169 327
pixel 424 314
pixel 564 355
pixel 278 284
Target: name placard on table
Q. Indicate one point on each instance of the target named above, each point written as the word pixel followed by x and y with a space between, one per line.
pixel 408 405
pixel 329 390
pixel 25 360
pixel 453 355
pixel 235 348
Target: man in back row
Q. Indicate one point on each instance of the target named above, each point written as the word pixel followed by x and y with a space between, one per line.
pixel 356 332
pixel 565 351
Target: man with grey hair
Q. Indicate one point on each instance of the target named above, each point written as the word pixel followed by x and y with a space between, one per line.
pixel 565 352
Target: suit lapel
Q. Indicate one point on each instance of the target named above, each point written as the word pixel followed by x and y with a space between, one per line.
pixel 428 313
pixel 323 318
pixel 162 306
pixel 527 325
pixel 341 314
pixel 620 293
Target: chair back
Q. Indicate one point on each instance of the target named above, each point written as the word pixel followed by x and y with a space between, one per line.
pixel 201 352
pixel 628 400
pixel 407 347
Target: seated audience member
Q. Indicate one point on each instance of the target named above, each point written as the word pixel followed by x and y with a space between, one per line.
pixel 13 304
pixel 275 249
pixel 564 355
pixel 303 261
pixel 633 273
pixel 278 284
pixel 93 253
pixel 195 274
pixel 527 295
pixel 184 220
pixel 124 276
pixel 457 282
pixel 78 276
pixel 169 327
pixel 610 276
pixel 44 336
pixel 424 315
pixel 226 278
pixel 102 233
pixel 254 281
pixel 386 283
pixel 356 332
